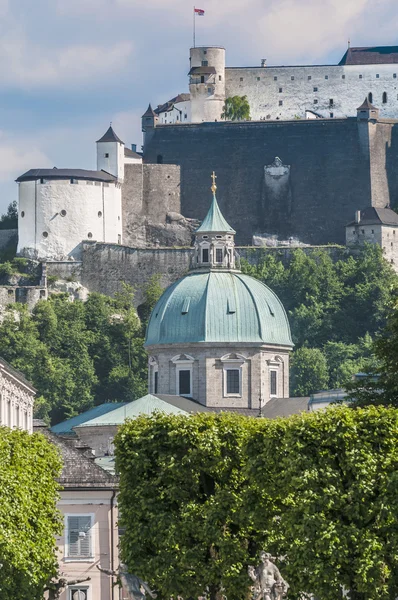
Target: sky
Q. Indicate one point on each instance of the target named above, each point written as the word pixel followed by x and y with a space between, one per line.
pixel 70 67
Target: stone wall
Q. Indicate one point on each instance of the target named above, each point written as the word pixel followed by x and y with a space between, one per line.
pixel 330 175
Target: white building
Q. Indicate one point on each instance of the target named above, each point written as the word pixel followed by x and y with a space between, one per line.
pixel 59 208
pixel 291 92
pixel 16 399
pixel 176 110
pixel 375 226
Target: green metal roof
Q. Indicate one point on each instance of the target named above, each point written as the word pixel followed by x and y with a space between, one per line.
pixel 214 220
pixel 143 406
pixel 66 427
pixel 222 307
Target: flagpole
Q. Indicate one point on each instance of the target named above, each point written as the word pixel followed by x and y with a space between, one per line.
pixel 194 27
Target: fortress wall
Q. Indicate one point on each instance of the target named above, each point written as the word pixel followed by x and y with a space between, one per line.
pixel 342 84
pixel 106 266
pixel 329 173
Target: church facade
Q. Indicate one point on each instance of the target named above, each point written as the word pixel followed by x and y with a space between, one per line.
pixel 217 336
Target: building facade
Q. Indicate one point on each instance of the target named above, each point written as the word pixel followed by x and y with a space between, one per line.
pixel 16 399
pixel 375 226
pixel 293 92
pixel 217 336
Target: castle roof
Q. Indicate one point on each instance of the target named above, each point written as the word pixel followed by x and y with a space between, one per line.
pixel 131 154
pixel 202 71
pixel 149 112
pixel 169 105
pixel 373 55
pixel 110 136
pixel 214 220
pixel 218 307
pixel 376 216
pixel 55 173
pixel 366 105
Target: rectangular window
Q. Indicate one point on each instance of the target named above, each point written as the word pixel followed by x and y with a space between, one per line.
pixel 315 89
pixel 326 76
pixel 78 593
pixel 330 101
pixel 273 379
pixel 309 77
pixel 360 77
pixel 205 255
pixel 219 78
pixel 79 536
pixel 280 90
pixel 155 382
pixel 275 79
pixel 331 115
pixel 377 76
pixel 258 78
pixel 292 78
pixel 315 101
pixel 233 381
pixel 184 382
pixel 205 63
pixel 209 91
pixel 280 102
pixel 106 155
pixel 219 255
pixel 241 78
pixel 343 77
pixel 202 79
pixel 394 75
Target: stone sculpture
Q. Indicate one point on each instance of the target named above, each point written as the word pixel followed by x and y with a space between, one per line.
pixel 136 587
pixel 268 582
pixel 55 588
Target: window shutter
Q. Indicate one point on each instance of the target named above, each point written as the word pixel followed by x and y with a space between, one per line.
pixel 79 544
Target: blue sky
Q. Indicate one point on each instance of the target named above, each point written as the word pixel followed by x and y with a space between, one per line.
pixel 69 67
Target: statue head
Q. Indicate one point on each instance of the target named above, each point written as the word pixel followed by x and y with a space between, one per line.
pixel 265 557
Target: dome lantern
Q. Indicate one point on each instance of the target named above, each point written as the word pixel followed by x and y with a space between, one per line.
pixel 214 239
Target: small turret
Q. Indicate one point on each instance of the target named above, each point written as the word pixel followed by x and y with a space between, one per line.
pixel 110 154
pixel 149 120
pixel 367 111
pixel 214 239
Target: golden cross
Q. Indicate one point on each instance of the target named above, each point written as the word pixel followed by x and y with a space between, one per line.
pixel 214 187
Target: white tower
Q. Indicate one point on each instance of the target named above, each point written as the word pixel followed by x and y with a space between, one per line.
pixel 207 83
pixel 110 154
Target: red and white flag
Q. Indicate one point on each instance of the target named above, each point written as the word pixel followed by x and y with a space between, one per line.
pixel 200 12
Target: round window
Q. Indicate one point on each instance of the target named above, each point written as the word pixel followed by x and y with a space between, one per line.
pixel 23 213
pixel 99 213
pixel 45 234
pixel 63 213
pixel 89 235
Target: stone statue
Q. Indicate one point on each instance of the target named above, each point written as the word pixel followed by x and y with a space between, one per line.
pixel 55 588
pixel 268 582
pixel 136 587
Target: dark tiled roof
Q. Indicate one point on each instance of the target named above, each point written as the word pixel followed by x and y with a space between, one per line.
pixel 376 216
pixel 276 407
pixel 17 374
pixel 202 71
pixel 149 112
pixel 110 136
pixel 168 106
pixel 131 154
pixel 79 470
pixel 366 105
pixel 374 55
pixel 55 173
pixel 183 403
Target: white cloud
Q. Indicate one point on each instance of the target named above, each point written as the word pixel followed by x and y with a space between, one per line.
pixel 17 156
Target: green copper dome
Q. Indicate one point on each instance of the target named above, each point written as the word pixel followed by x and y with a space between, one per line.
pixel 214 220
pixel 218 307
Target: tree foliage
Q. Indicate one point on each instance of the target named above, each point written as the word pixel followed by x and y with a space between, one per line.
pixel 336 307
pixel 77 354
pixel 236 108
pixel 29 519
pixel 201 496
pixel 9 220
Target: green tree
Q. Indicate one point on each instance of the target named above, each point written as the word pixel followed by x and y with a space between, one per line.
pixel 9 220
pixel 236 108
pixel 152 292
pixel 309 371
pixel 29 520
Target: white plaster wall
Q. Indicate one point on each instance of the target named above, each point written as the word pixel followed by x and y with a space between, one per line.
pixel 341 84
pixel 114 163
pixel 175 116
pixel 129 160
pixel 204 106
pixel 385 236
pixel 92 212
pixel 16 403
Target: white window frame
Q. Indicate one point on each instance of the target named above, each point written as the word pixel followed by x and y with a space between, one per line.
pixel 275 365
pixel 232 363
pixel 219 247
pixel 90 558
pixel 273 370
pixel 153 368
pixel 75 588
pixel 183 364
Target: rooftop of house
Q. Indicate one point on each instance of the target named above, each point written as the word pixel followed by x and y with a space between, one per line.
pixel 131 154
pixel 55 173
pixel 376 216
pixel 372 55
pixel 66 427
pixel 110 136
pixel 79 468
pixel 8 369
pixel 169 105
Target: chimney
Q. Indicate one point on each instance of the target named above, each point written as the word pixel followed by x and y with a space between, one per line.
pixel 263 62
pixel 357 216
pixel 134 147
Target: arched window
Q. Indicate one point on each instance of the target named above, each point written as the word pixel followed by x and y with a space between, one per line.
pixel 370 97
pixel 384 97
pixel 154 375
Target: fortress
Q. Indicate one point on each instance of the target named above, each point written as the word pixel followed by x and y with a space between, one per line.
pixel 313 156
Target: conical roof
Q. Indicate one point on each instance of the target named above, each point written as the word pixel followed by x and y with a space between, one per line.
pixel 149 112
pixel 110 136
pixel 214 220
pixel 366 105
